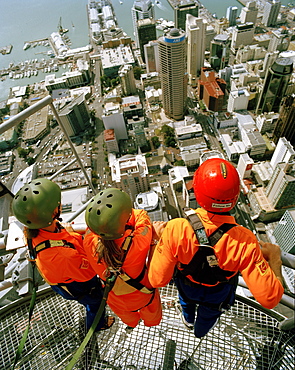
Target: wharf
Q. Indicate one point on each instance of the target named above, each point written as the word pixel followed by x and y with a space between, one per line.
pixel 6 49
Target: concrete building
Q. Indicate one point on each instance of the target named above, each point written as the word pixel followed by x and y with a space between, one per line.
pixel 275 85
pixel 113 58
pixel 238 100
pixel 195 31
pixel 172 53
pixel 130 173
pixel 266 122
pixel 182 9
pixel 280 40
pixel 151 55
pixel 245 165
pixel 249 12
pixel 141 9
pixel 242 35
pixel 231 15
pixel 271 12
pixel 75 116
pixel 127 79
pixel 211 89
pixel 284 152
pixel 281 187
pixel 110 141
pixel 284 232
pixel 113 118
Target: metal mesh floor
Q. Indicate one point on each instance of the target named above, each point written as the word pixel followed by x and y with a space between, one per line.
pixel 245 338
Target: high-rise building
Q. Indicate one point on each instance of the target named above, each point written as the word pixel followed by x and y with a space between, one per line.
pixel 172 53
pixel 281 187
pixel 110 141
pixel 195 31
pixel 284 152
pixel 231 15
pixel 242 35
pixel 182 9
pixel 146 29
pixel 127 80
pixel 141 9
pixel 151 55
pixel 249 12
pixel 285 126
pixel 275 85
pixel 220 51
pixel 284 232
pixel 271 12
pixel 130 173
pixel 75 116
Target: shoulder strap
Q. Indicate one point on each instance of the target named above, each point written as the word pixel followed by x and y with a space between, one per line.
pixel 51 244
pixel 135 283
pixel 199 229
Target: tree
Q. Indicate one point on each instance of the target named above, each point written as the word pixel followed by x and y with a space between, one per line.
pixel 156 142
pixel 137 72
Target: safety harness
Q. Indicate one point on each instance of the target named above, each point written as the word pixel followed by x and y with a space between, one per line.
pixel 133 282
pixel 204 268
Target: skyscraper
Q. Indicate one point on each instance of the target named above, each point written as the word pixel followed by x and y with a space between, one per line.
pixel 141 9
pixel 195 31
pixel 231 15
pixel 146 29
pixel 172 53
pixel 285 126
pixel 284 232
pixel 182 9
pixel 249 12
pixel 151 55
pixel 275 85
pixel 127 79
pixel 75 116
pixel 284 152
pixel 281 187
pixel 271 12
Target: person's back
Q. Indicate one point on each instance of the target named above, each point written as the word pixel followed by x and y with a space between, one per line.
pixel 216 186
pixel 119 242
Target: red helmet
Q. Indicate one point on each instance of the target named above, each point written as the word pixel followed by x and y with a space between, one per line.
pixel 216 185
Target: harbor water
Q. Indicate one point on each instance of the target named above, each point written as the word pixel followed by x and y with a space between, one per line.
pixel 30 20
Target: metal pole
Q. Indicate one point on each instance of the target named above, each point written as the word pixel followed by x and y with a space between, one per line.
pixel 21 116
pixel 72 147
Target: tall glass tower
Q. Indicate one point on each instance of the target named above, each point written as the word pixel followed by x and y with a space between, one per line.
pixel 141 9
pixel 275 85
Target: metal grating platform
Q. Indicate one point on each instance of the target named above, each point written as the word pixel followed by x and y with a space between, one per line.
pixel 246 337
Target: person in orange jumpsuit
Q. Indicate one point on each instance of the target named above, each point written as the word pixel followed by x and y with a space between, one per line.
pixel 216 186
pixel 58 253
pixel 118 241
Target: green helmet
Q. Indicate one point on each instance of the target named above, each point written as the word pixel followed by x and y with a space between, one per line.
pixel 34 203
pixel 108 212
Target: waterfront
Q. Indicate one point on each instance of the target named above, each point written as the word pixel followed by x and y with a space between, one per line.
pixel 37 19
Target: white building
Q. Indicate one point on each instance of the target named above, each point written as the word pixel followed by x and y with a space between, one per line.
pixel 195 31
pixel 284 152
pixel 238 100
pixel 245 166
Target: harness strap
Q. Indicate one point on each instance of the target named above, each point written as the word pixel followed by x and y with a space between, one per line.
pixel 134 282
pixel 51 244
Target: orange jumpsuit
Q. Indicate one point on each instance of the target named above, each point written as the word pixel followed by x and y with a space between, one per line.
pixel 68 271
pixel 237 250
pixel 130 306
pixel 60 264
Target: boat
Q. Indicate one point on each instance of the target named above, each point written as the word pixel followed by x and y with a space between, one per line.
pixel 26 46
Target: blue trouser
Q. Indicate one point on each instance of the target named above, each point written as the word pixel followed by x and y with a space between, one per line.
pixel 190 296
pixel 88 293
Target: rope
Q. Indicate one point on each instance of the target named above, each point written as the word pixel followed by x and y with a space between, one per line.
pixel 26 332
pixel 109 284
